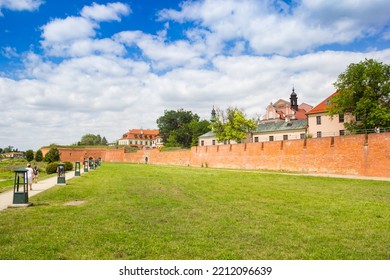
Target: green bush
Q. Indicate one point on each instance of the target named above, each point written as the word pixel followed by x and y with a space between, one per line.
pixel 51 168
pixel 68 166
pixel 38 156
pixel 29 155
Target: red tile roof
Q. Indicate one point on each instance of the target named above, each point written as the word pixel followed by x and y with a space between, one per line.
pixel 321 108
pixel 141 134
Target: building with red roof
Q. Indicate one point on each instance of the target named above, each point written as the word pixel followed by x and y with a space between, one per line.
pixel 284 111
pixel 141 138
pixel 320 124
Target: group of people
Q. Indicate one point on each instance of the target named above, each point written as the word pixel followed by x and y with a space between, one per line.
pixel 32 175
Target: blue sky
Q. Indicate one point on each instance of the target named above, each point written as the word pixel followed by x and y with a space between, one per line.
pixel 73 67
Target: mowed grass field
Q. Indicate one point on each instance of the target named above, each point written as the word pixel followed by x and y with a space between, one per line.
pixel 147 212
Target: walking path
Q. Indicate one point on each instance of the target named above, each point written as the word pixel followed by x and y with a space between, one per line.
pixel 6 198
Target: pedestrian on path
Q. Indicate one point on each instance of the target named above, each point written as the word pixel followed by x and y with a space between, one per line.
pixel 30 174
pixel 35 174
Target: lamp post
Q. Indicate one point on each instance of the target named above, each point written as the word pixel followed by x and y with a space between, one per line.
pixel 86 163
pixel 61 173
pixel 77 169
pixel 20 187
pixel 91 164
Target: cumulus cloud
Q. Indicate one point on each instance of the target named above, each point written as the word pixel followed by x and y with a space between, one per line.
pixel 231 53
pixel 270 27
pixel 74 35
pixel 20 5
pixel 109 12
pixel 68 29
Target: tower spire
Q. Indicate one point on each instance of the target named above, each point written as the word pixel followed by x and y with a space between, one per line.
pixel 294 100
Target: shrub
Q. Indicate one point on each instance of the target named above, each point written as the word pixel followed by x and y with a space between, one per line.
pixel 29 155
pixel 51 168
pixel 68 166
pixel 38 156
pixel 52 156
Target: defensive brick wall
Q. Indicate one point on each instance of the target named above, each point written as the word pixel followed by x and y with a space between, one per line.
pixel 366 155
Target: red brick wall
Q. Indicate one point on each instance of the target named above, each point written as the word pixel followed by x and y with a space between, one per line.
pixel 352 155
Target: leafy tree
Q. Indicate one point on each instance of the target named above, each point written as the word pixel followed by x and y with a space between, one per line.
pixel 92 140
pixel 198 128
pixel 52 156
pixel 364 91
pixel 8 149
pixel 39 156
pixel 179 128
pixel 232 125
pixel 29 155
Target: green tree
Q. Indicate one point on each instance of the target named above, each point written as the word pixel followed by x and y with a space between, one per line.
pixel 52 155
pixel 38 156
pixel 178 128
pixel 363 91
pixel 92 140
pixel 8 149
pixel 198 128
pixel 232 125
pixel 29 155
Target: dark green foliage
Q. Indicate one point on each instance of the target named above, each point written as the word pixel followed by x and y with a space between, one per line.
pixel 364 91
pixel 51 168
pixel 68 166
pixel 38 156
pixel 53 155
pixel 92 140
pixel 29 155
pixel 180 128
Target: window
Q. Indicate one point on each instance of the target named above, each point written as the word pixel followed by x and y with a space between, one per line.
pixel 342 132
pixel 358 118
pixel 341 118
pixel 285 137
pixel 271 138
pixel 256 139
pixel 202 143
pixel 319 134
pixel 318 119
pixel 302 135
pixel 213 142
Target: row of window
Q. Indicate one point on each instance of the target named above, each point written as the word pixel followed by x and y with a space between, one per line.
pixel 150 143
pixel 143 136
pixel 341 119
pixel 285 137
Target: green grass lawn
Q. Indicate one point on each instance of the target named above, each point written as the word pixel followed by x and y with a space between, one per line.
pixel 131 211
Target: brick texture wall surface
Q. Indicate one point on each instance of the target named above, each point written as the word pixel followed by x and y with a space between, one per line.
pixel 366 155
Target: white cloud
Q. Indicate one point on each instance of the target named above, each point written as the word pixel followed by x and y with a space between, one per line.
pixel 20 5
pixel 270 27
pixel 68 29
pixel 107 85
pixel 163 55
pixel 109 12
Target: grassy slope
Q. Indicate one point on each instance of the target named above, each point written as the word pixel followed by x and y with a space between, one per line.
pixel 156 212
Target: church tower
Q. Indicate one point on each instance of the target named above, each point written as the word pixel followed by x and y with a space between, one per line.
pixel 294 100
pixel 213 115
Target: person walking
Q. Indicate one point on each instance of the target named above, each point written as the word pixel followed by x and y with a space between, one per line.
pixel 35 174
pixel 30 173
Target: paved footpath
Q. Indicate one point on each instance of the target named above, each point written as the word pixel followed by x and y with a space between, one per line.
pixel 6 198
